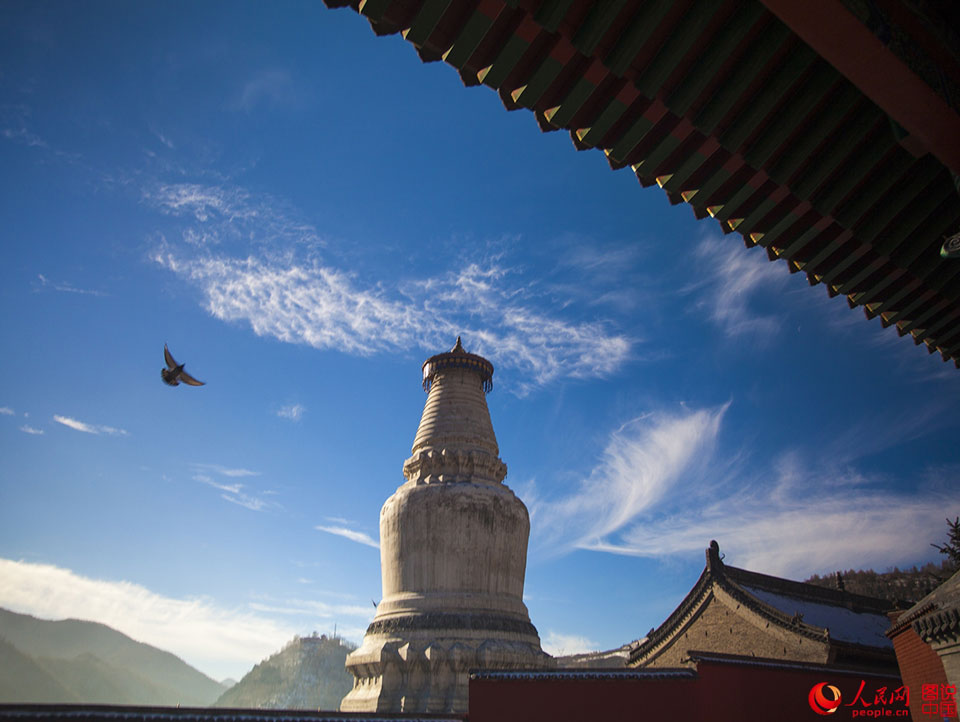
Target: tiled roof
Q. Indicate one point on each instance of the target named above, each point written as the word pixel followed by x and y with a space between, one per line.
pixel 825 137
pixel 835 616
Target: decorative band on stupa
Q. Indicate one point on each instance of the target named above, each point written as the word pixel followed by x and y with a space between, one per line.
pixel 453 550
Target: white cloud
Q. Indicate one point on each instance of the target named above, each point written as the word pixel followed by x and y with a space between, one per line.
pixel 6 411
pixel 88 428
pixel 270 88
pixel 562 644
pixel 354 536
pixel 661 490
pixel 235 492
pixel 735 274
pixel 30 430
pixel 223 642
pixel 322 307
pixel 67 288
pixel 643 462
pixel 225 471
pixel 291 411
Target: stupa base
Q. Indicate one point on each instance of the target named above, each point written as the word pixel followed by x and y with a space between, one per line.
pixel 430 673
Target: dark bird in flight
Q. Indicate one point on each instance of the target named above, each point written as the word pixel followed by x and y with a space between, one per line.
pixel 174 373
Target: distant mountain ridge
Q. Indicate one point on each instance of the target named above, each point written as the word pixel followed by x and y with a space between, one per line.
pixel 308 673
pixel 77 661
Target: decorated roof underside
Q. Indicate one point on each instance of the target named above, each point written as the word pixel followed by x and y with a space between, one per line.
pixel 725 108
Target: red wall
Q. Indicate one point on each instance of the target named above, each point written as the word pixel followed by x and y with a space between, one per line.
pixel 721 691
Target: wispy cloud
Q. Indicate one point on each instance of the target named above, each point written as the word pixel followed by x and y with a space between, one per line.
pixel 30 430
pixel 235 492
pixel 225 471
pixel 661 489
pixel 224 216
pixel 6 411
pixel 323 307
pixel 355 536
pixel 220 641
pixel 291 411
pixel 256 263
pixel 271 89
pixel 559 644
pixel 67 288
pixel 642 463
pixel 88 428
pixel 733 276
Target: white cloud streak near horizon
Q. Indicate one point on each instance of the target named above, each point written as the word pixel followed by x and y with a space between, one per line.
pixel 308 302
pixel 662 490
pixel 88 428
pixel 222 642
pixel 355 536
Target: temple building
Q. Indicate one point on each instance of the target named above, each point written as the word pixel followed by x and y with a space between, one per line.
pixel 453 553
pixel 734 611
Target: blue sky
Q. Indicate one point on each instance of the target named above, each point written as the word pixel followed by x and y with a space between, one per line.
pixel 304 212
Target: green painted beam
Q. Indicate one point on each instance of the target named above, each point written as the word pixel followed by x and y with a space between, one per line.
pixel 909 188
pixel 829 275
pixel 597 23
pixel 687 34
pixel 472 33
pixel 426 19
pixel 539 83
pixel 604 122
pixel 510 54
pixel 791 115
pixel 765 101
pixel 638 32
pixel 801 150
pixel 714 56
pixel 579 94
pixel 551 13
pixel 870 193
pixel 374 9
pixel 621 151
pixel 678 183
pixel 857 166
pixel 898 234
pixel 840 147
pixel 732 204
pixel 744 74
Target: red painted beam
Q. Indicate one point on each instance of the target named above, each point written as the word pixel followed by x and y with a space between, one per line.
pixel 844 42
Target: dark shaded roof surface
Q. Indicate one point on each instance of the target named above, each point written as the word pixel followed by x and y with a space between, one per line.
pixel 792 124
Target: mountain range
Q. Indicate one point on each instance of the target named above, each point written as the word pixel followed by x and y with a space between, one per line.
pixel 86 662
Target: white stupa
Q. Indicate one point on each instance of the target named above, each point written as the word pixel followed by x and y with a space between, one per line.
pixel 453 553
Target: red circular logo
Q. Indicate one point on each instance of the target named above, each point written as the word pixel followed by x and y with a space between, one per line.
pixel 821 703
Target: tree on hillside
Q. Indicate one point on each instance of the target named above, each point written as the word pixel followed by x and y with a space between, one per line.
pixel 952 548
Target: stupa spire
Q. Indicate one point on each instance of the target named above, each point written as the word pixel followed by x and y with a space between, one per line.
pixel 453 554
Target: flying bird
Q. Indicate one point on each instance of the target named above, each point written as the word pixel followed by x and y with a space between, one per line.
pixel 174 373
